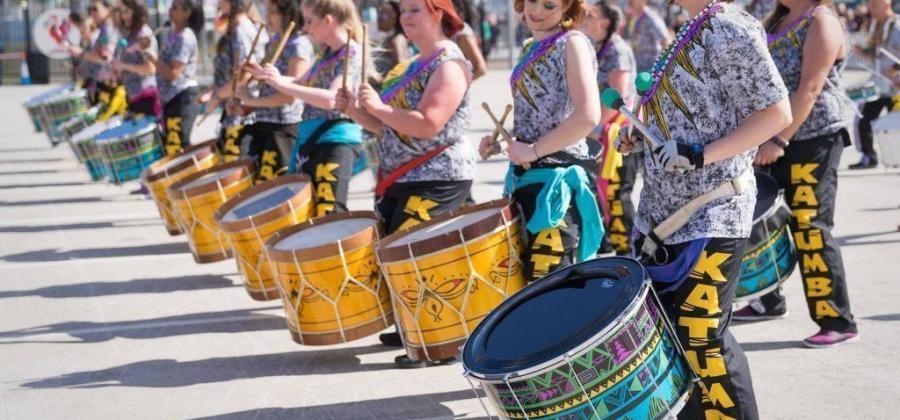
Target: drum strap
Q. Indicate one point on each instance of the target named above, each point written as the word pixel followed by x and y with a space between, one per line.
pixel 391 178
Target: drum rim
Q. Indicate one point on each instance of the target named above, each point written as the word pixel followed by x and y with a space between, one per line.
pixel 158 170
pixel 140 132
pixel 113 122
pixel 370 235
pixel 178 189
pixel 273 213
pixel 777 204
pixel 508 211
pixel 573 353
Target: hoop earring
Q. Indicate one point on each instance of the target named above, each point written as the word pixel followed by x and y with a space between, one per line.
pixel 567 23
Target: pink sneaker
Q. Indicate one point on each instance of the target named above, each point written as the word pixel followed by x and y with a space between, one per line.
pixel 825 339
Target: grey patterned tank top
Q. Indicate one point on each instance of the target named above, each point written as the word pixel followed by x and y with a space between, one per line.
pixel 828 114
pixel 327 66
pixel 457 161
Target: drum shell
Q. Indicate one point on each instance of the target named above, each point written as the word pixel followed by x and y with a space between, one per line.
pixel 247 236
pixel 195 208
pixel 436 320
pixel 887 134
pixel 74 125
pixel 159 176
pixel 59 109
pixel 307 276
pixel 127 156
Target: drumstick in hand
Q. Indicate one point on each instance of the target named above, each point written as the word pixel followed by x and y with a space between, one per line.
pixel 346 60
pixel 498 127
pixel 365 44
pixel 281 43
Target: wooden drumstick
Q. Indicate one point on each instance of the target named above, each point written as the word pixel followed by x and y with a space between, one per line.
pixel 239 71
pixel 346 60
pixel 281 43
pixel 365 44
pixel 498 126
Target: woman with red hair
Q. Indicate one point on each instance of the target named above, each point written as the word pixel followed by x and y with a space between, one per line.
pixel 421 116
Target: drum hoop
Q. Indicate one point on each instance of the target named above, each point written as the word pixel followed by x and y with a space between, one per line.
pixel 159 169
pixel 506 212
pixel 351 242
pixel 126 136
pixel 614 326
pixel 274 213
pixel 179 188
pixel 776 205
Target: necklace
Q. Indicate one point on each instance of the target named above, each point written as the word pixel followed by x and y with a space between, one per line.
pixel 394 86
pixel 685 35
pixel 320 63
pixel 534 52
pixel 772 38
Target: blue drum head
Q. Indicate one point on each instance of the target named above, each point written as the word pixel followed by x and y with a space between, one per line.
pixel 766 193
pixel 553 315
pixel 127 128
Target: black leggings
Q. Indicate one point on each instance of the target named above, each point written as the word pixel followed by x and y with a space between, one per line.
pixel 871 111
pixel 178 120
pixel 330 166
pixel 265 143
pixel 406 204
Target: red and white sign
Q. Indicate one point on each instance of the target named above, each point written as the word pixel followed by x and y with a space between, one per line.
pixel 53 33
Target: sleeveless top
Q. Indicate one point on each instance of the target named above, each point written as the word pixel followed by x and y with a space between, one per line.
pixel 236 45
pixel 616 55
pixel 298 46
pixel 105 36
pixel 136 83
pixel 541 98
pixel 645 33
pixel 178 46
pixel 456 162
pixel 721 77
pixel 829 112
pixel 328 66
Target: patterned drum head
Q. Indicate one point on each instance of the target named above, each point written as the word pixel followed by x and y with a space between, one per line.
pixel 568 308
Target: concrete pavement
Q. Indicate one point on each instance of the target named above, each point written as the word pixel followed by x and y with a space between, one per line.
pixel 103 315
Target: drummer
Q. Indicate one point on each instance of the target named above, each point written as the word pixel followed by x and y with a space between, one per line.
pixel 647 32
pixel 556 104
pixel 328 141
pixel 240 18
pixel 716 97
pixel 134 62
pixel 271 137
pixel 885 34
pixel 177 73
pixel 421 116
pixel 615 69
pixel 806 166
pixel 96 58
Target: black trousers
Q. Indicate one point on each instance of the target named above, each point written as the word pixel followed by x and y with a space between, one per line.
pixel 265 143
pixel 178 120
pixel 621 208
pixel 330 166
pixel 552 248
pixel 700 311
pixel 808 174
pixel 406 204
pixel 229 140
pixel 871 111
pixel 144 106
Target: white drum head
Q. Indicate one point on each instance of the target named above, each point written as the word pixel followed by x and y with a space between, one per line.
pixel 446 226
pixel 324 234
pixel 264 201
pixel 211 177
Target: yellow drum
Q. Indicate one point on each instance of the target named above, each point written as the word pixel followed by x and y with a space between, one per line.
pixel 330 285
pixel 196 198
pixel 447 274
pixel 171 169
pixel 253 216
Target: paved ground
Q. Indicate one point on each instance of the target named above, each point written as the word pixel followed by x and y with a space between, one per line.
pixel 103 315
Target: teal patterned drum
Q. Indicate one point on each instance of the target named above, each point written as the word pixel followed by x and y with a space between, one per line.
pixel 86 149
pixel 59 109
pixel 130 148
pixel 586 342
pixel 771 255
pixel 34 105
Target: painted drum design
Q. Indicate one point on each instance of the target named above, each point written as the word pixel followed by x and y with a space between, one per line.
pixel 171 169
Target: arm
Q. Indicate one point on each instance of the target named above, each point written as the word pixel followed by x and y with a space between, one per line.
pixel 170 71
pixel 756 129
pixel 470 49
pixel 445 91
pixel 147 68
pixel 349 104
pixel 585 96
pixel 319 98
pixel 618 80
pixel 296 67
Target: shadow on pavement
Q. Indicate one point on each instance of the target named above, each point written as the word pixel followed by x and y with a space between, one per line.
pixel 26 149
pixel 71 200
pixel 31 160
pixel 42 171
pixel 406 407
pixel 168 373
pixel 45 185
pixel 81 226
pixel 236 321
pixel 772 345
pixel 118 251
pixel 884 317
pixel 137 286
pixel 851 240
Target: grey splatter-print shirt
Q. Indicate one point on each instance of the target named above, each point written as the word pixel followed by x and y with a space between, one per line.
pixel 457 162
pixel 829 112
pixel 105 37
pixel 645 32
pixel 616 57
pixel 181 47
pixel 541 99
pixel 298 46
pixel 714 84
pixel 136 83
pixel 236 44
pixel 325 72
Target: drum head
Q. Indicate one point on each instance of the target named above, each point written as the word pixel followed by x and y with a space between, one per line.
pixel 766 193
pixel 127 129
pixel 264 201
pixel 95 129
pixel 553 316
pixel 325 233
pixel 446 226
pixel 211 177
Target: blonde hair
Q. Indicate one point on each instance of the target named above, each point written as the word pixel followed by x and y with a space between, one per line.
pixel 346 14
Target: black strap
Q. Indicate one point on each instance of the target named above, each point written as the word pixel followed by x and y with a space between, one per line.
pixel 307 148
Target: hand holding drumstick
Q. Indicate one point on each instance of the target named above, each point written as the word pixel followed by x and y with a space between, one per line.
pixel 489 144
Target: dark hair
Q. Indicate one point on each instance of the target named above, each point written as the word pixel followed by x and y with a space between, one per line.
pixel 196 19
pixel 290 10
pixel 466 11
pixel 395 6
pixel 614 14
pixel 138 15
pixel 781 11
pixel 76 18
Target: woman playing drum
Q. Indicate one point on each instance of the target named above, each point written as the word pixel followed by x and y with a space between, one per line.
pixel 807 166
pixel 422 115
pixel 97 57
pixel 328 141
pixel 556 104
pixel 274 133
pixel 135 59
pixel 615 69
pixel 716 96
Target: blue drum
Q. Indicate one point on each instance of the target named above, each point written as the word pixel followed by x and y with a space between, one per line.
pixel 130 148
pixel 34 105
pixel 86 148
pixel 771 255
pixel 586 342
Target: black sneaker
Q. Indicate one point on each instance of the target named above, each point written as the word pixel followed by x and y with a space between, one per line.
pixel 867 162
pixel 391 339
pixel 756 311
pixel 404 362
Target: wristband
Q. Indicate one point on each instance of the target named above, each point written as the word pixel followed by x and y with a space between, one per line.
pixel 779 141
pixel 537 156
